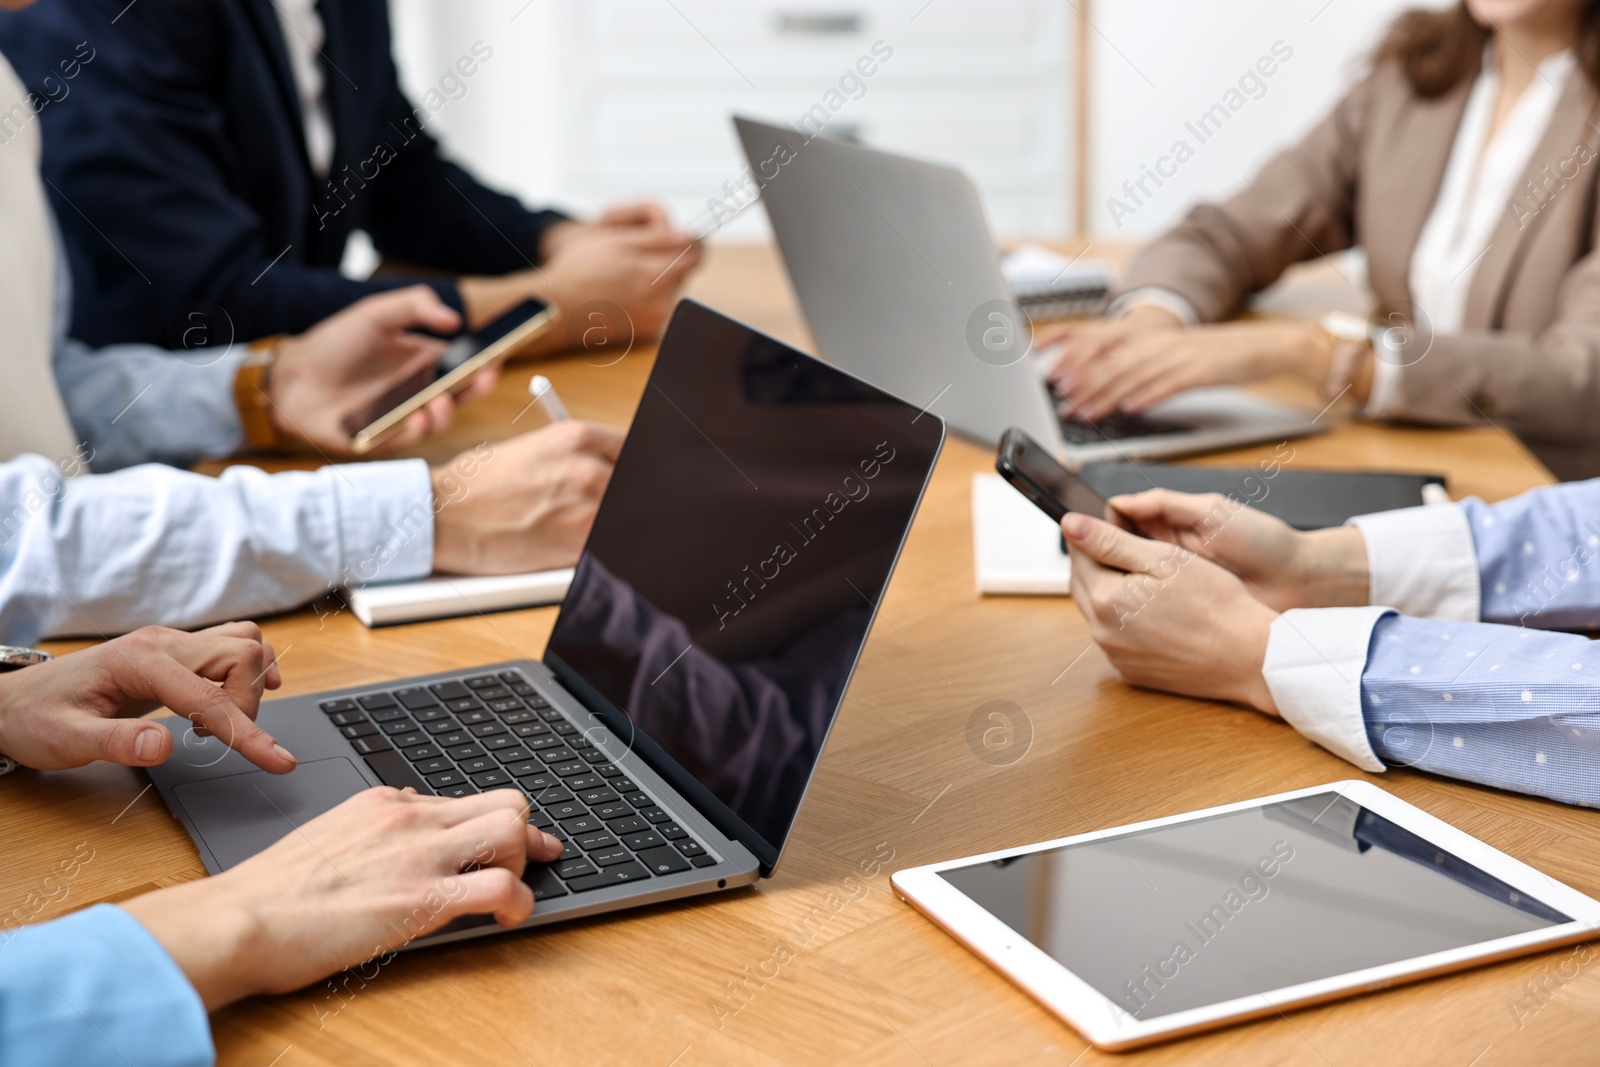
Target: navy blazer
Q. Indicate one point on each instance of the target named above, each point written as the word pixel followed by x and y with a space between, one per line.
pixel 176 159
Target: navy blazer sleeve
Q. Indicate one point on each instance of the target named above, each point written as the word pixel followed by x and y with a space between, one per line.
pixel 428 210
pixel 177 165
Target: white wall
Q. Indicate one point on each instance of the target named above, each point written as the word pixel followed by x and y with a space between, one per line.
pixel 1158 64
pixel 585 102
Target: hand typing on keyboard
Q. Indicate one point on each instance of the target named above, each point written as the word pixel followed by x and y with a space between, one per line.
pixel 487 731
pixel 1117 426
pixel 352 885
pixel 1134 362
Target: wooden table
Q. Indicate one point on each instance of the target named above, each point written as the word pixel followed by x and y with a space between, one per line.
pixel 870 981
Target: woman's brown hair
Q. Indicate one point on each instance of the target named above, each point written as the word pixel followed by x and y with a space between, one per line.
pixel 1438 50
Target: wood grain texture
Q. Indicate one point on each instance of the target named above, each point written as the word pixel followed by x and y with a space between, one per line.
pixel 870 980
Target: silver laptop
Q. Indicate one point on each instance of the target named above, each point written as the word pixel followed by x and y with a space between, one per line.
pixel 697 664
pixel 897 275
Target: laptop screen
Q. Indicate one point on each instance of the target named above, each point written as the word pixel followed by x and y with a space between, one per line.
pixel 749 530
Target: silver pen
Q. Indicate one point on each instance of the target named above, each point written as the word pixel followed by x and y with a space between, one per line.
pixel 544 394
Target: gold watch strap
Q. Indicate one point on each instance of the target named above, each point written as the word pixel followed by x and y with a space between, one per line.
pixel 253 398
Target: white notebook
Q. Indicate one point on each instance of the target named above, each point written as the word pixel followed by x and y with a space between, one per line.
pixel 445 596
pixel 1016 548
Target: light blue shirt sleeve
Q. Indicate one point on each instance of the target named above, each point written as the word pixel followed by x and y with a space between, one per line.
pixel 1503 701
pixel 107 553
pixel 134 404
pixel 1505 706
pixel 96 988
pixel 1539 557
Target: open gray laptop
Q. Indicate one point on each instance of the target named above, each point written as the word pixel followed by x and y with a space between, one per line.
pixel 696 666
pixel 895 270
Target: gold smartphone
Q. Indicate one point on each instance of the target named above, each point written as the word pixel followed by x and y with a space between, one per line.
pixel 467 354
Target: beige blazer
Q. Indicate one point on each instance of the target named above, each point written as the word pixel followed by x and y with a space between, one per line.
pixel 1528 354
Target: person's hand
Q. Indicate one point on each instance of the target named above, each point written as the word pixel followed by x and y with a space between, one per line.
pixel 645 214
pixel 632 258
pixel 1124 366
pixel 525 504
pixel 1280 565
pixel 1083 343
pixel 74 710
pixel 350 886
pixel 638 266
pixel 345 364
pixel 1168 619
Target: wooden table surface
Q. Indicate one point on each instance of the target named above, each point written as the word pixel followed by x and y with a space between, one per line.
pixel 866 978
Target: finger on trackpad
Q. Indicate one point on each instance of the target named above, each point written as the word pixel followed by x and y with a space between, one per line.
pixel 241 814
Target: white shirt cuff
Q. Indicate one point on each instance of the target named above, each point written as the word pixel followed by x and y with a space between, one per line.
pixel 1422 562
pixel 1155 296
pixel 386 513
pixel 1315 658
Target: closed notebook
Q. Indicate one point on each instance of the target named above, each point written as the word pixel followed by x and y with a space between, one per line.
pixel 444 597
pixel 1017 548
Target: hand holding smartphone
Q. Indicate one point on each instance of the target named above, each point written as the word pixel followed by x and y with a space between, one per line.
pixel 1054 490
pixel 466 355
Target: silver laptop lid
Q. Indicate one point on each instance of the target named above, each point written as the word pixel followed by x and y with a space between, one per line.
pixel 936 326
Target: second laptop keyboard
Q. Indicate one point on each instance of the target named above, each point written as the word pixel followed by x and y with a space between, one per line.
pixel 493 731
pixel 1116 426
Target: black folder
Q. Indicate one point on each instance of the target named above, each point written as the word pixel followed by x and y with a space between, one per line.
pixel 1305 499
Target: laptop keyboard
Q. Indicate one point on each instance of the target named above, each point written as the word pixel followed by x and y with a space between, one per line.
pixel 1114 427
pixel 494 731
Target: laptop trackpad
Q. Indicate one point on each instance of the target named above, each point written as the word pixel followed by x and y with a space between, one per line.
pixel 242 814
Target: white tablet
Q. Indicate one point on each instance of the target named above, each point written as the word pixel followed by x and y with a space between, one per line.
pixel 1162 928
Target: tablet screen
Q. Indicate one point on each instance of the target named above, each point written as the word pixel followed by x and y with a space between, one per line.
pixel 1193 914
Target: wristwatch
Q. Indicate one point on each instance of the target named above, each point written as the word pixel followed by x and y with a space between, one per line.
pixel 14 658
pixel 1352 339
pixel 253 397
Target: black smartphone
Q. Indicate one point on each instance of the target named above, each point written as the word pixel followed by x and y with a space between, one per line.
pixel 467 354
pixel 1054 490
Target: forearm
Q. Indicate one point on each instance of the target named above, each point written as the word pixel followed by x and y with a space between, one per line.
pixel 1529 560
pixel 1537 556
pixel 1221 254
pixel 1161 307
pixel 211 934
pixel 122 401
pixel 96 987
pixel 110 553
pixel 1502 706
pixel 484 299
pixel 1498 705
pixel 1334 571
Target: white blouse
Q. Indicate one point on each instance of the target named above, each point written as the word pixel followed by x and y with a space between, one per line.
pixel 1479 182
